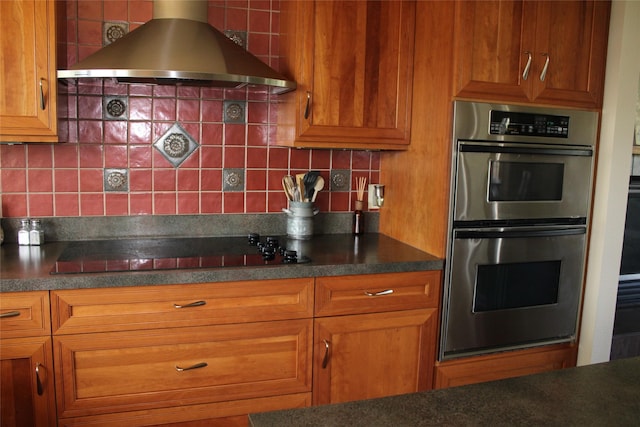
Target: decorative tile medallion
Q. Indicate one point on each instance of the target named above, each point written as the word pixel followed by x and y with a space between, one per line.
pixel 238 37
pixel 116 180
pixel 115 108
pixel 176 145
pixel 234 111
pixel 233 179
pixel 340 180
pixel 112 31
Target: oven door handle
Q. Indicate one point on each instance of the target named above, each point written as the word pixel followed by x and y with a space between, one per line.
pixel 511 234
pixel 482 148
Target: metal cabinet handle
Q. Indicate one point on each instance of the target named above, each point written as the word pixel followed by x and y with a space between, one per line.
pixel 193 304
pixel 543 74
pixel 42 104
pixel 39 386
pixel 189 368
pixel 380 293
pixel 325 359
pixel 307 109
pixel 525 72
pixel 9 314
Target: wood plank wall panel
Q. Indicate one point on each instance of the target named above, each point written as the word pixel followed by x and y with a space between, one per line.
pixel 417 180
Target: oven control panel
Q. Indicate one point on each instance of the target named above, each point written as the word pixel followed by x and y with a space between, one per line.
pixel 528 124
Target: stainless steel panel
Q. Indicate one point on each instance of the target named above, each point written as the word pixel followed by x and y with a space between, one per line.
pixel 467 332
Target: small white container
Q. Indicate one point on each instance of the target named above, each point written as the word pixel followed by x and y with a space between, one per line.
pixel 23 233
pixel 36 234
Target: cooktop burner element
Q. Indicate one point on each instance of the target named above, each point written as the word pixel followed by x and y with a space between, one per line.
pixel 173 253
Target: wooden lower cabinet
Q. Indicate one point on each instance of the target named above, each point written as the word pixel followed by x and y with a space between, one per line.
pixel 181 355
pixel 471 370
pixel 27 393
pixel 373 355
pixel 374 335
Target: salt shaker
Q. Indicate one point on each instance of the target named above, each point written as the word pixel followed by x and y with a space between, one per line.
pixel 23 233
pixel 36 234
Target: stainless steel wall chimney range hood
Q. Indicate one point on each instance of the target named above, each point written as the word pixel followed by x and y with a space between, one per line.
pixel 178 46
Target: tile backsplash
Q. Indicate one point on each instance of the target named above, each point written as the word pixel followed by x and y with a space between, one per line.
pixel 112 159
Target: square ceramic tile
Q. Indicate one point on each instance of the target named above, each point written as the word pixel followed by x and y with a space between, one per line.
pixel 115 108
pixel 233 179
pixel 116 180
pixel 238 37
pixel 234 111
pixel 112 31
pixel 340 180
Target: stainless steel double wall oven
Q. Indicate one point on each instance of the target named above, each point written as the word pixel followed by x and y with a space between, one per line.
pixel 521 192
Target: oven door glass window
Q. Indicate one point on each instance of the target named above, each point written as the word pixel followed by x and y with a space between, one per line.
pixel 525 181
pixel 516 285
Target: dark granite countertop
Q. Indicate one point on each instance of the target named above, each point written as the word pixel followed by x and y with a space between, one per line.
pixel 24 268
pixel 606 394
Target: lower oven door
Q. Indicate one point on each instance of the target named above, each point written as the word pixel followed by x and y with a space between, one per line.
pixel 512 288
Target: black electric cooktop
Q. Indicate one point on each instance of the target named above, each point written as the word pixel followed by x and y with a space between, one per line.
pixel 126 255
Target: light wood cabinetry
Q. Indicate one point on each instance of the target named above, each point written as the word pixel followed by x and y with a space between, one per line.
pixel 353 63
pixel 374 335
pixel 543 52
pixel 160 354
pixel 28 81
pixel 498 366
pixel 26 363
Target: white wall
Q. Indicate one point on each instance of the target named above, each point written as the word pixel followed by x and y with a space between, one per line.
pixel 612 178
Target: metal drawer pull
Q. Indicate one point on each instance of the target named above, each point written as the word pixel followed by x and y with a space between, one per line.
pixel 308 107
pixel 377 294
pixel 9 314
pixel 38 382
pixel 543 74
pixel 42 104
pixel 325 359
pixel 193 304
pixel 525 73
pixel 189 368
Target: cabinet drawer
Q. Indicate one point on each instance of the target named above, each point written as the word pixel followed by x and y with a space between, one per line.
pixel 24 314
pixel 373 293
pixel 138 370
pixel 218 414
pixel 143 307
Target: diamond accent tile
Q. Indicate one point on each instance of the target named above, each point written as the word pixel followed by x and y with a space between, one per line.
pixel 238 37
pixel 116 180
pixel 176 145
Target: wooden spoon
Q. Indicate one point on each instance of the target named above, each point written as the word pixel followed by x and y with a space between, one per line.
pixel 317 187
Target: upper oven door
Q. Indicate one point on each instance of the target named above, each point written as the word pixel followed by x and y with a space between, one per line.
pixel 504 181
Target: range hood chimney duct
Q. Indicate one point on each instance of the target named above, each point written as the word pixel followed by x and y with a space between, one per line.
pixel 178 46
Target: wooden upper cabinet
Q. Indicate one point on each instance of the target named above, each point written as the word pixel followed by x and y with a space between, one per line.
pixel 28 82
pixel 543 52
pixel 353 63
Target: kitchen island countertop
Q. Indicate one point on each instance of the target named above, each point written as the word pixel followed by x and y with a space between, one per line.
pixel 29 268
pixel 605 394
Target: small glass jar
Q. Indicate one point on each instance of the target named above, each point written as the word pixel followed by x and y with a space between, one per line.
pixel 23 233
pixel 358 219
pixel 36 234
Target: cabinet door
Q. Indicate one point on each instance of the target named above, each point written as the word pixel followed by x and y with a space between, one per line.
pixel 26 382
pixel 570 56
pixel 28 81
pixel 140 370
pixel 373 355
pixel 493 43
pixel 353 62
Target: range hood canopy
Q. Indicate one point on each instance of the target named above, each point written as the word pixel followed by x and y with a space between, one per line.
pixel 178 46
